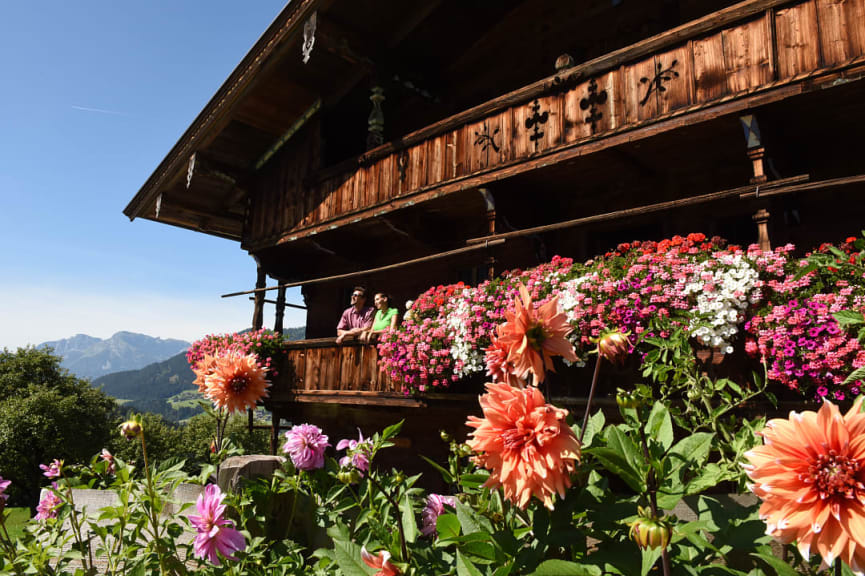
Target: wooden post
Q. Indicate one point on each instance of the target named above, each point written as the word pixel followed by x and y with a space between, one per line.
pixel 757 156
pixel 280 310
pixel 258 311
pixel 761 217
pixel 490 203
pixel 275 417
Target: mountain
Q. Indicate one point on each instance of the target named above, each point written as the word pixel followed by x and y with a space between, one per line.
pixel 89 357
pixel 163 387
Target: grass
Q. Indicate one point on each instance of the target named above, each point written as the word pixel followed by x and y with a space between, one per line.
pixel 16 518
pixel 186 399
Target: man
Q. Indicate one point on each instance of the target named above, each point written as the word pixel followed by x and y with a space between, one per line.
pixel 356 318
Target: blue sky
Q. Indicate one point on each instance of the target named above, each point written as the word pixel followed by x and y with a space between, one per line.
pixel 94 94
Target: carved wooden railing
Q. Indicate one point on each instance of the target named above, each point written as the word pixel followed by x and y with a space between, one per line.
pixel 749 54
pixel 321 370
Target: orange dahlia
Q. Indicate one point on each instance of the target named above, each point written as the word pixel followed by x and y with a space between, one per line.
pixel 202 370
pixel 810 474
pixel 532 337
pixel 236 382
pixel 525 443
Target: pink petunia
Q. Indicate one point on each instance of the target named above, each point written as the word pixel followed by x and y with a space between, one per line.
pixel 215 532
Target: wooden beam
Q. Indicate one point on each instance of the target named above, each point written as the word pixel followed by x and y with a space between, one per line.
pixel 216 113
pixel 287 304
pixel 292 130
pixel 357 398
pixel 773 188
pixel 593 67
pixel 673 121
pixel 370 271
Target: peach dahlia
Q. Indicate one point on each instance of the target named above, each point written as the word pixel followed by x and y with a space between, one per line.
pixel 810 475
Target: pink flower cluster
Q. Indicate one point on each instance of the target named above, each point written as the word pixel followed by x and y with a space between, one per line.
pixel 649 288
pixel 265 344
pixel 795 332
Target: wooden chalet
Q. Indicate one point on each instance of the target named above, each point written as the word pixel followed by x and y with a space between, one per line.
pixel 402 144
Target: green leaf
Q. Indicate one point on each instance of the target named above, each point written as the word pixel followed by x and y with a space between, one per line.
pixel 469 520
pixel 391 431
pixel 648 559
pixel 691 450
pixel 473 480
pixel 564 568
pixel 465 566
pixel 848 318
pixel 857 374
pixel 409 524
pixel 347 553
pixel 616 463
pixel 780 567
pixel 710 475
pixel 594 425
pixel 861 336
pixel 660 425
pixel 446 475
pixel 448 526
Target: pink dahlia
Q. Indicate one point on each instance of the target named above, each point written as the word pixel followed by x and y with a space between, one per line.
pixel 52 470
pixel 4 484
pixel 435 507
pixel 358 452
pixel 215 532
pixel 305 445
pixel 48 504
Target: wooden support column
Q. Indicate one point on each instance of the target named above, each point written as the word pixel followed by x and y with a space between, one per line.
pixel 757 155
pixel 280 310
pixel 490 203
pixel 761 217
pixel 258 311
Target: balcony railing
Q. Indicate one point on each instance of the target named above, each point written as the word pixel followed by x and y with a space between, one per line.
pixel 748 54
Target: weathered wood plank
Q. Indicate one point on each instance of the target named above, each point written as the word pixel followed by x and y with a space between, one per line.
pixel 678 90
pixel 798 49
pixel 746 55
pixel 710 77
pixel 842 36
pixel 641 99
pixel 436 164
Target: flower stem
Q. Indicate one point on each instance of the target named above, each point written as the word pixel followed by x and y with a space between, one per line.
pixel 395 505
pixel 152 505
pixel 76 526
pixel 652 489
pixel 591 396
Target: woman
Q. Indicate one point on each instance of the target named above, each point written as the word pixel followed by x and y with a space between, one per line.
pixel 385 317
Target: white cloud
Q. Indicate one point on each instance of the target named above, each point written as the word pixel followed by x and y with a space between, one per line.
pixel 36 315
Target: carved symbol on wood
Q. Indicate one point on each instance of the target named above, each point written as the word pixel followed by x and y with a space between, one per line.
pixel 594 99
pixel 535 121
pixel 656 84
pixel 402 164
pixel 487 140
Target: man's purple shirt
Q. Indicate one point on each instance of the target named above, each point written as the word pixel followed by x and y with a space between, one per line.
pixel 352 319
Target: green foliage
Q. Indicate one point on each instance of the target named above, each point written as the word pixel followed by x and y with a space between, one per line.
pixel 46 413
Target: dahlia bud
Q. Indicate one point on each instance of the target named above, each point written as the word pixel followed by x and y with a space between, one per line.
pixel 628 399
pixel 614 346
pixel 213 446
pixel 131 428
pixel 444 436
pixel 650 532
pixel 465 450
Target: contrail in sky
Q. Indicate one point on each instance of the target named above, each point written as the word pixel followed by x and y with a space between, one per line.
pixel 99 110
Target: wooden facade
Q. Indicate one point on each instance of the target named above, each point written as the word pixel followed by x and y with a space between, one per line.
pixel 640 136
pixel 767 52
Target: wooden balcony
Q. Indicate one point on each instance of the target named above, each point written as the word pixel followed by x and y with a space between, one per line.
pixel 322 371
pixel 747 55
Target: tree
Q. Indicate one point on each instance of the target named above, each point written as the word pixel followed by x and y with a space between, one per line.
pixel 46 413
